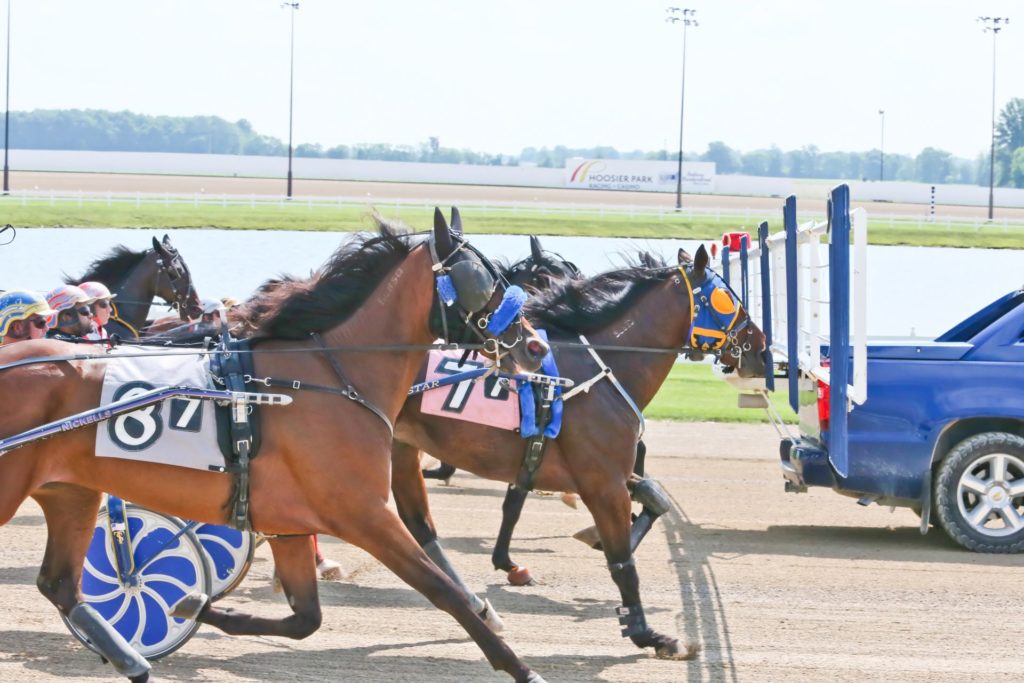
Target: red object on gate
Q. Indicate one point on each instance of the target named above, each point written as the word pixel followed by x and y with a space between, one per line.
pixel 824 407
pixel 734 239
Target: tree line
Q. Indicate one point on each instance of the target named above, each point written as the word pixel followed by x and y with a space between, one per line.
pixel 99 130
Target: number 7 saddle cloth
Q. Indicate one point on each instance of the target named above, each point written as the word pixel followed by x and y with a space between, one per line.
pixel 176 431
pixel 486 402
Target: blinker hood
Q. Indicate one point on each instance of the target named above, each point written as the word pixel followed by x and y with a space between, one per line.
pixel 473 283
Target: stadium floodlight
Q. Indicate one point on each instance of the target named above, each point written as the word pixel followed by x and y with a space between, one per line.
pixel 993 25
pixel 291 90
pixel 686 17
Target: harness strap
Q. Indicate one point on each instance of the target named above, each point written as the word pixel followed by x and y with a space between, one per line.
pixel 534 455
pixel 348 392
pixel 606 372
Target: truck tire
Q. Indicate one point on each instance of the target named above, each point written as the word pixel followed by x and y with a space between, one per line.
pixel 979 493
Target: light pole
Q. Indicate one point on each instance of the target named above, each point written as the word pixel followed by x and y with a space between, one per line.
pixel 7 104
pixel 686 18
pixel 881 148
pixel 993 25
pixel 291 90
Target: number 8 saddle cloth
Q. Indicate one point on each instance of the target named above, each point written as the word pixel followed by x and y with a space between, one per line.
pixel 176 431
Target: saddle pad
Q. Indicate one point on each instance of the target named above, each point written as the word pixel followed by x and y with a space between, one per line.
pixel 177 431
pixel 485 402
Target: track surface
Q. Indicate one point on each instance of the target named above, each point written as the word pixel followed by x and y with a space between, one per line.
pixel 774 587
pixel 812 193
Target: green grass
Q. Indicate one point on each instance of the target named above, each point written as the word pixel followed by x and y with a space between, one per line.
pixel 692 392
pixel 505 221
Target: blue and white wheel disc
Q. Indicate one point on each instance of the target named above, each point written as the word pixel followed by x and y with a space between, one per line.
pixel 140 613
pixel 228 553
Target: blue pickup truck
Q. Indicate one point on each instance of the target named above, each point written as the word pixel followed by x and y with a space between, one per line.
pixel 941 430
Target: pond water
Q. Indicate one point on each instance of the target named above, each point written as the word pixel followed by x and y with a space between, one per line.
pixel 918 291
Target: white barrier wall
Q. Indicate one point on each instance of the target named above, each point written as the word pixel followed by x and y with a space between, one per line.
pixel 695 174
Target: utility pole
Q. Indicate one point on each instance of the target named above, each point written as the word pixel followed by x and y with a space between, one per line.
pixel 7 106
pixel 993 25
pixel 881 161
pixel 293 6
pixel 686 18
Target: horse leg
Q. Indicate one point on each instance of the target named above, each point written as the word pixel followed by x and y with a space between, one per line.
pixel 382 535
pixel 296 569
pixel 410 494
pixel 70 513
pixel 611 510
pixel 443 471
pixel 511 509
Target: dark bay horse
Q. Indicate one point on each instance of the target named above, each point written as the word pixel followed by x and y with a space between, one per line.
pixel 137 278
pixel 638 307
pixel 533 273
pixel 324 466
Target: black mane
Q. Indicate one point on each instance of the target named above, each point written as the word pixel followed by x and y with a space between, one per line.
pixel 291 308
pixel 110 270
pixel 586 306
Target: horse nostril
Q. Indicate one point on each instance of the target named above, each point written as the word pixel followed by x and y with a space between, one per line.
pixel 536 347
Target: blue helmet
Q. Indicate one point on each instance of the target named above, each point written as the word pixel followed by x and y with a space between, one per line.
pixel 21 304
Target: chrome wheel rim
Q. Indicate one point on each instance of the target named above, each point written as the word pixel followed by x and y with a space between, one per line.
pixel 990 495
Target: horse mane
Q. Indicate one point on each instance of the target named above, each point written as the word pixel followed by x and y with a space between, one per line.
pixel 588 305
pixel 293 308
pixel 111 270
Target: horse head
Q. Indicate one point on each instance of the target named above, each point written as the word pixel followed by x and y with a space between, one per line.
pixel 475 301
pixel 174 281
pixel 721 324
pixel 541 268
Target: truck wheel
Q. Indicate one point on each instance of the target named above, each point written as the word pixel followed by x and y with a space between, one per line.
pixel 979 493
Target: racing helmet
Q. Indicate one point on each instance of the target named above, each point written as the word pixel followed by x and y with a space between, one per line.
pixel 67 296
pixel 21 304
pixel 97 290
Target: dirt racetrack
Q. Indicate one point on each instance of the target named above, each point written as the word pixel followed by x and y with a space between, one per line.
pixel 774 587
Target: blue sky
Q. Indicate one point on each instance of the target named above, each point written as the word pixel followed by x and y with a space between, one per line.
pixel 498 76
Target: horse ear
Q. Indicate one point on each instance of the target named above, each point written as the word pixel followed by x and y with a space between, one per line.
pixel 157 247
pixel 167 240
pixel 535 251
pixel 442 237
pixel 684 257
pixel 701 260
pixel 456 221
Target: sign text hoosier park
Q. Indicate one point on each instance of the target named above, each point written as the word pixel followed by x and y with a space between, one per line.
pixel 643 176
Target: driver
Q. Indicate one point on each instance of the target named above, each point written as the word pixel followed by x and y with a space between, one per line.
pixel 74 317
pixel 23 316
pixel 102 307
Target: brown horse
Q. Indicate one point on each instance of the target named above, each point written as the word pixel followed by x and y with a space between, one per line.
pixel 324 466
pixel 639 307
pixel 137 277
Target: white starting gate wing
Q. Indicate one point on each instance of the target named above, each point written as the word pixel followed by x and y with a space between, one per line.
pixel 806 287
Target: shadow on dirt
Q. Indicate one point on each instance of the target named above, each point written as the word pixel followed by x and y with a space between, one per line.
pixel 58 655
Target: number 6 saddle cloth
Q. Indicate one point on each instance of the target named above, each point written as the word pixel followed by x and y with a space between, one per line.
pixel 486 402
pixel 176 431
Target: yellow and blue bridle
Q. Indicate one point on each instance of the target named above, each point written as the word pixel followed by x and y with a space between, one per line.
pixel 715 312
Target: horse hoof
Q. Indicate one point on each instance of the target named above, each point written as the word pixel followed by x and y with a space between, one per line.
pixel 190 606
pixel 670 650
pixel 491 618
pixel 535 677
pixel 589 536
pixel 141 678
pixel 571 499
pixel 330 570
pixel 520 576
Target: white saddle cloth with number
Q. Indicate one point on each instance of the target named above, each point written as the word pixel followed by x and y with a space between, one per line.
pixel 176 431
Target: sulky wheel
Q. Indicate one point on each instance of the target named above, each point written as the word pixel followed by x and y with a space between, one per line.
pixel 167 568
pixel 979 493
pixel 228 554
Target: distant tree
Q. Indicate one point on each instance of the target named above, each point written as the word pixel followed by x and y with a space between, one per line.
pixel 1017 168
pixel 756 162
pixel 1009 138
pixel 802 163
pixel 338 152
pixel 933 165
pixel 725 159
pixel 308 149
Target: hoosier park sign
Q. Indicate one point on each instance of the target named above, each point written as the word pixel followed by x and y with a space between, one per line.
pixel 643 176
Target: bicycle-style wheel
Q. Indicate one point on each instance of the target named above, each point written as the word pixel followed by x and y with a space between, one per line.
pixel 228 554
pixel 167 569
